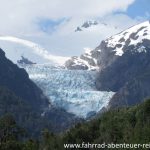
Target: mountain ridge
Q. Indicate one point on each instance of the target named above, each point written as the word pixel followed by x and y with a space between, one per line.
pixel 110 48
pixel 124 67
pixel 22 98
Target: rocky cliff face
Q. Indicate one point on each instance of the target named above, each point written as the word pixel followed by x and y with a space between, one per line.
pixel 21 97
pixel 125 65
pixel 17 80
pixel 87 61
pixel 134 40
pixel 133 92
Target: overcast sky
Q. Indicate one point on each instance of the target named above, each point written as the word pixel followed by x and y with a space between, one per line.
pixel 51 23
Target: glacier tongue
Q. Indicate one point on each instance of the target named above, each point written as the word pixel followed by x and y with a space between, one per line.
pixel 73 90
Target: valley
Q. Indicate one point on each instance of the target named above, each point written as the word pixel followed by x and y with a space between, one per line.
pixel 74 74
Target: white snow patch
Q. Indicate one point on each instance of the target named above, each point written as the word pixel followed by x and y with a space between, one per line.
pixel 78 61
pixel 114 40
pixel 88 51
pixel 99 50
pixel 119 51
pixel 141 49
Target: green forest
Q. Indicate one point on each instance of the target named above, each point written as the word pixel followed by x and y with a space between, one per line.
pixel 123 125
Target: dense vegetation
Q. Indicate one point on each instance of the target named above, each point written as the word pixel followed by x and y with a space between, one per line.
pixel 55 120
pixel 17 80
pixel 22 112
pixel 129 125
pixel 21 98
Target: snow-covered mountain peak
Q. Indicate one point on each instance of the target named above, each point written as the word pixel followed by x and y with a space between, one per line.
pixel 135 39
pixel 86 24
pixel 92 24
pixel 131 36
pixel 35 50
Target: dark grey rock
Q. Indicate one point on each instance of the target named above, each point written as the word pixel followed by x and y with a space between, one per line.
pixel 133 92
pixel 128 76
pixel 25 61
pixel 71 65
pixel 89 60
pixel 86 24
pixel 78 29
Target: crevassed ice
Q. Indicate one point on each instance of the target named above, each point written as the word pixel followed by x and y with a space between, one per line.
pixel 73 90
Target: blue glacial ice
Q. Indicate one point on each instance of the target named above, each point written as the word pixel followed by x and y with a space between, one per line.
pixel 72 90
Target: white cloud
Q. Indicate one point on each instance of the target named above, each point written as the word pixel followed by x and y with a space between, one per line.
pixel 37 50
pixel 20 18
pixel 67 42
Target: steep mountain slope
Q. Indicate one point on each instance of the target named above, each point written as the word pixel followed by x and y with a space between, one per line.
pixel 22 111
pixel 56 120
pixel 26 102
pixel 125 65
pixel 136 88
pixel 18 81
pixel 134 40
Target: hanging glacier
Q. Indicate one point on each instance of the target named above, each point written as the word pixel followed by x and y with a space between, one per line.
pixel 72 90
